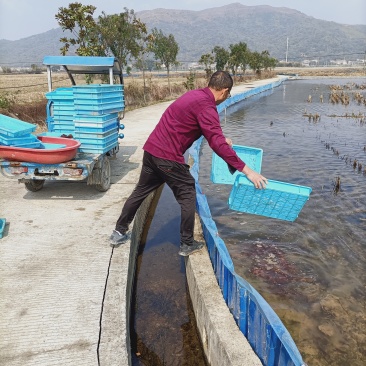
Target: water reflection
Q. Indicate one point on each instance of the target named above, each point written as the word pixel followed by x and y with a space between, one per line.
pixel 312 271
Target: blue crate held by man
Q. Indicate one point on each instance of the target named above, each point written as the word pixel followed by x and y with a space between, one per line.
pixel 220 172
pixel 279 200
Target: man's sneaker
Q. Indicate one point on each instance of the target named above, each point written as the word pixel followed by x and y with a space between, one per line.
pixel 117 238
pixel 186 250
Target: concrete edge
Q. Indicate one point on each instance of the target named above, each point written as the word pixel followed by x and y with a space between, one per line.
pixel 223 342
pixel 115 344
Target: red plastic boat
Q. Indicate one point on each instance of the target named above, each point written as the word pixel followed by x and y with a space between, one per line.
pixel 43 156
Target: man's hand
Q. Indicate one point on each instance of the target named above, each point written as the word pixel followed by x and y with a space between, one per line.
pixel 229 142
pixel 257 179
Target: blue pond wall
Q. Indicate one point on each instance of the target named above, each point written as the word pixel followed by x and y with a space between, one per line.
pixel 259 323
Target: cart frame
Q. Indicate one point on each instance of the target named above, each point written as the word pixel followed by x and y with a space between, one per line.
pixel 94 168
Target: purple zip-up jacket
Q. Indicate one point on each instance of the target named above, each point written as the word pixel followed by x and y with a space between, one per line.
pixel 189 117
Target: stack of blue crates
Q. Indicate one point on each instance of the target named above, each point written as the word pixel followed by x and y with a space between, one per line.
pixel 60 111
pixel 96 116
pixel 89 113
pixel 16 133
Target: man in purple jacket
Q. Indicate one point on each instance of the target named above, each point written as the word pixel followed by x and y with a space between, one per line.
pixel 188 118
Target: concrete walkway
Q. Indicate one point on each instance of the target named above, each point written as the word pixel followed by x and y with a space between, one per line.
pixel 62 287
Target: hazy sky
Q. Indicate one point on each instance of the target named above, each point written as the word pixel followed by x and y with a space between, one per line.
pixel 24 18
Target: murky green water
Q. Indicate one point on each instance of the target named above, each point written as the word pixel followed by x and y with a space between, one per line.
pixel 313 271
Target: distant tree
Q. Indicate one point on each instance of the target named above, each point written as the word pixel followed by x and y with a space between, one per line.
pixel 207 60
pixel 239 57
pixel 259 61
pixel 150 64
pixel 6 69
pixel 268 62
pixel 165 49
pixel 78 19
pixel 256 62
pixel 120 35
pixel 221 57
pixel 144 45
pixel 189 83
pixel 35 69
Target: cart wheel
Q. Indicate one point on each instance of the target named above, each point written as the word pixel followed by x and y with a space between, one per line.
pixel 105 176
pixel 34 185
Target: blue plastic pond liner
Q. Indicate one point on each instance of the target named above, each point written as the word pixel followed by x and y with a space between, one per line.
pixel 2 227
pixel 255 318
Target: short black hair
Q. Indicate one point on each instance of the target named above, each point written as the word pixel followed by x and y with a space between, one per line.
pixel 220 80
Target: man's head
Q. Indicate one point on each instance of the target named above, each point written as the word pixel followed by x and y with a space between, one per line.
pixel 220 84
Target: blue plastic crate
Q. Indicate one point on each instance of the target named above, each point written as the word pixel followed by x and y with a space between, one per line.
pixel 62 103
pixel 99 102
pixel 80 97
pixel 14 127
pixel 100 142
pixel 100 108
pixel 93 149
pixel 30 145
pixel 63 108
pixel 89 94
pixel 96 128
pixel 279 200
pixel 63 119
pixel 97 88
pixel 69 117
pixel 17 141
pixel 96 119
pixel 220 172
pixel 2 227
pixel 66 117
pixel 95 134
pixel 62 94
pixel 63 125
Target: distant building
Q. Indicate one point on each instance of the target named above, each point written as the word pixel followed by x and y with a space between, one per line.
pixel 339 62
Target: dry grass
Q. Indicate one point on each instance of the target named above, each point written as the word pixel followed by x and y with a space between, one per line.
pixel 30 88
pixel 324 71
pixel 23 95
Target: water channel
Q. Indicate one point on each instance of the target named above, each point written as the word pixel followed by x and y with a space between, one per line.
pixel 312 271
pixel 163 325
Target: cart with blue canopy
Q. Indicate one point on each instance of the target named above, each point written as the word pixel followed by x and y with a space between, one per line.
pixel 83 120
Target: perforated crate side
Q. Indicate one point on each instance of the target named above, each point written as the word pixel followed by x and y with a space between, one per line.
pixel 279 200
pixel 97 88
pixel 14 127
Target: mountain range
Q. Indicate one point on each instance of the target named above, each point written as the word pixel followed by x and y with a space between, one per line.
pixel 281 31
